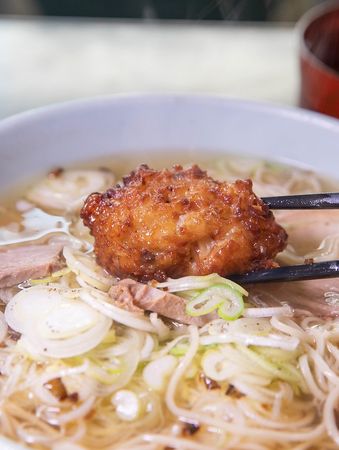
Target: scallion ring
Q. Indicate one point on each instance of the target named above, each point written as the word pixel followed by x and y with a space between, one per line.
pixel 227 301
pixel 233 307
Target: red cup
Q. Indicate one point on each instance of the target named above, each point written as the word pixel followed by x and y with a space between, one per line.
pixel 319 59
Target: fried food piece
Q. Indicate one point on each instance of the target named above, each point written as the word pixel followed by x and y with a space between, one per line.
pixel 178 222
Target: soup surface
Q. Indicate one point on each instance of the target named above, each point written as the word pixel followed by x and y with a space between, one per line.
pixel 78 371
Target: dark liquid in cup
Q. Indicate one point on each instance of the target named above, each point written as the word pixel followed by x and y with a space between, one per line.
pixel 324 44
pixel 320 65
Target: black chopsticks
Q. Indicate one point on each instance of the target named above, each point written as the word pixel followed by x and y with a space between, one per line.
pixel 329 200
pixel 328 269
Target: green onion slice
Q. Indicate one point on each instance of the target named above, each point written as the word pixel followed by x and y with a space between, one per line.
pixel 233 307
pixel 228 301
pixel 194 283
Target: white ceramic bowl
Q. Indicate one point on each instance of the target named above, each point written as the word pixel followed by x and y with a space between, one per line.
pixel 121 125
pixel 87 129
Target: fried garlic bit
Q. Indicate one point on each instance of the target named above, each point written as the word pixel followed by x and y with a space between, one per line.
pixel 178 222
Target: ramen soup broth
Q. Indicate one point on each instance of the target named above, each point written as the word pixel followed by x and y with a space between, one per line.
pixel 79 372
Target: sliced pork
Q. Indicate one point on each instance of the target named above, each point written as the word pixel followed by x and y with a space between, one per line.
pixel 318 297
pixel 133 296
pixel 307 229
pixel 7 293
pixel 30 261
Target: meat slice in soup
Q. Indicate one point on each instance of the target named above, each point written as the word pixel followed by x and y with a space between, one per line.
pixel 133 296
pixel 30 261
pixel 307 230
pixel 181 222
pixel 319 297
pixel 312 236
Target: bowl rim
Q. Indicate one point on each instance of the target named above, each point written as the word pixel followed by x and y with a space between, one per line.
pixel 302 26
pixel 288 111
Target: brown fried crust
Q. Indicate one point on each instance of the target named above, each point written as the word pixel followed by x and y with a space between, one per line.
pixel 178 222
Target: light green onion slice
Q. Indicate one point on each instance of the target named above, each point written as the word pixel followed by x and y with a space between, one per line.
pixel 192 283
pixel 228 301
pixel 233 307
pixel 52 278
pixel 179 350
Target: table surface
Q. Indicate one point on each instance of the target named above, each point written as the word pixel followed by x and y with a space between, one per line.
pixel 44 61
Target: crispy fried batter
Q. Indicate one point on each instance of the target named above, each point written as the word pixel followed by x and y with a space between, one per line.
pixel 177 222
